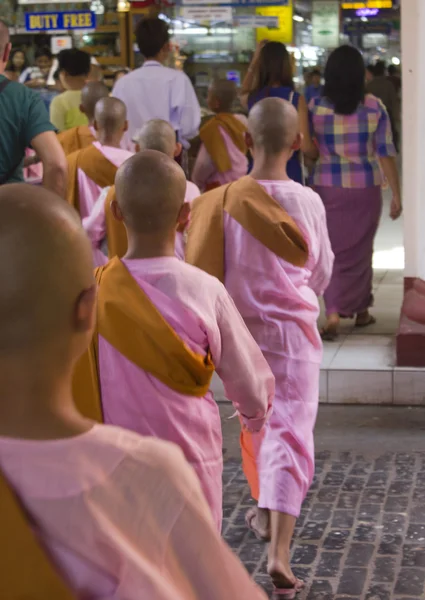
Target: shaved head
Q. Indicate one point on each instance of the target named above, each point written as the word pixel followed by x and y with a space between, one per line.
pixel 45 265
pixel 4 37
pixel 157 135
pixel 224 93
pixel 91 93
pixel 273 125
pixel 110 115
pixel 150 191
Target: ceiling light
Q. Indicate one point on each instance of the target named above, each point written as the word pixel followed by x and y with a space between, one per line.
pixel 298 18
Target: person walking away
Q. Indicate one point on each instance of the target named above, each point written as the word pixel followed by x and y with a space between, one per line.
pixel 88 510
pixel 94 167
pixel 353 132
pixel 155 91
pixel 222 154
pixel 164 327
pixel 25 123
pixel 315 89
pixel 277 297
pixel 270 76
pixel 382 88
pixel 74 69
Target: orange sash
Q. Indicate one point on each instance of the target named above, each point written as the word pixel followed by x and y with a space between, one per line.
pixel 26 571
pixel 95 165
pixel 116 234
pixel 250 205
pixel 76 138
pixel 133 325
pixel 215 145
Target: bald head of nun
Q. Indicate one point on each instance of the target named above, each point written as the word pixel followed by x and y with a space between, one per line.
pixel 110 119
pixel 47 293
pixel 158 135
pixel 221 95
pixel 150 193
pixel 5 45
pixel 91 93
pixel 273 127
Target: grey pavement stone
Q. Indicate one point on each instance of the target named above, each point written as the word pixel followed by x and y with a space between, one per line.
pixel 361 534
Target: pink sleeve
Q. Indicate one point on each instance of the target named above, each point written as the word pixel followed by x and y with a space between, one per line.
pixel 95 224
pixel 247 378
pixel 203 169
pixel 322 271
pixel 200 561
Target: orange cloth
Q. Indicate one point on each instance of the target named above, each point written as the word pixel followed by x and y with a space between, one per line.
pixel 249 463
pixel 214 143
pixel 132 324
pixel 76 138
pixel 115 230
pixel 95 165
pixel 249 204
pixel 26 571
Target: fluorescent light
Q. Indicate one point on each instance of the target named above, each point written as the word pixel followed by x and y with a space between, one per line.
pixel 298 18
pixel 395 60
pixel 364 19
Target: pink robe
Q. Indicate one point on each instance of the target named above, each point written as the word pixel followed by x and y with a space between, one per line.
pixel 95 224
pixel 123 517
pixel 201 312
pixel 205 172
pixel 280 307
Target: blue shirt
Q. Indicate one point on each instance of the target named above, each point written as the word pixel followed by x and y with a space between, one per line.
pixel 311 91
pixel 293 167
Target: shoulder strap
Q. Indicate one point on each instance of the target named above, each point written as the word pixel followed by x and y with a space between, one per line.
pixel 5 178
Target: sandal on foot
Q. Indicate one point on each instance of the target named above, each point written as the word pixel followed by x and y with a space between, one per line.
pixel 250 517
pixel 328 335
pixel 371 321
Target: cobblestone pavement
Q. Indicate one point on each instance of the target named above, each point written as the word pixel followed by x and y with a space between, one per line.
pixel 361 534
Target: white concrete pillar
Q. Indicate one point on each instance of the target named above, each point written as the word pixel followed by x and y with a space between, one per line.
pixel 413 125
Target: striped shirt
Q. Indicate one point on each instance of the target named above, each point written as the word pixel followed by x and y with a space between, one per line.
pixel 350 145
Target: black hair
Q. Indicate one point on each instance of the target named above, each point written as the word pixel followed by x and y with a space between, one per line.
pixel 379 68
pixel 74 62
pixel 392 70
pixel 345 80
pixel 274 67
pixel 10 66
pixel 43 52
pixel 316 72
pixel 371 69
pixel 151 36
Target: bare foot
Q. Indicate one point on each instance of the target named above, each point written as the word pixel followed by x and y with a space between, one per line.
pixel 282 575
pixel 257 520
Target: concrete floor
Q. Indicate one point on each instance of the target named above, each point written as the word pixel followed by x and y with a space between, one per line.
pixel 371 430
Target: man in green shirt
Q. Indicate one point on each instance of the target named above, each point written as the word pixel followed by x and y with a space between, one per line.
pixel 24 123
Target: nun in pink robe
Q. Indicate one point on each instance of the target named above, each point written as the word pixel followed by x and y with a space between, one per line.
pixel 279 304
pixel 203 315
pixel 123 518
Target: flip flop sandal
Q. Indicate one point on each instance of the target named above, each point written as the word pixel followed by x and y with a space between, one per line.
pixel 370 321
pixel 249 518
pixel 328 335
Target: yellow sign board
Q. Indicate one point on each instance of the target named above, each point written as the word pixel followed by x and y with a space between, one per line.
pixel 367 4
pixel 283 33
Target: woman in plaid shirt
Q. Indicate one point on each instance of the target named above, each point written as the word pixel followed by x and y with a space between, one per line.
pixel 354 136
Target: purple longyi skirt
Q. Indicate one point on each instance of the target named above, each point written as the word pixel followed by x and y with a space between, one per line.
pixel 352 216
